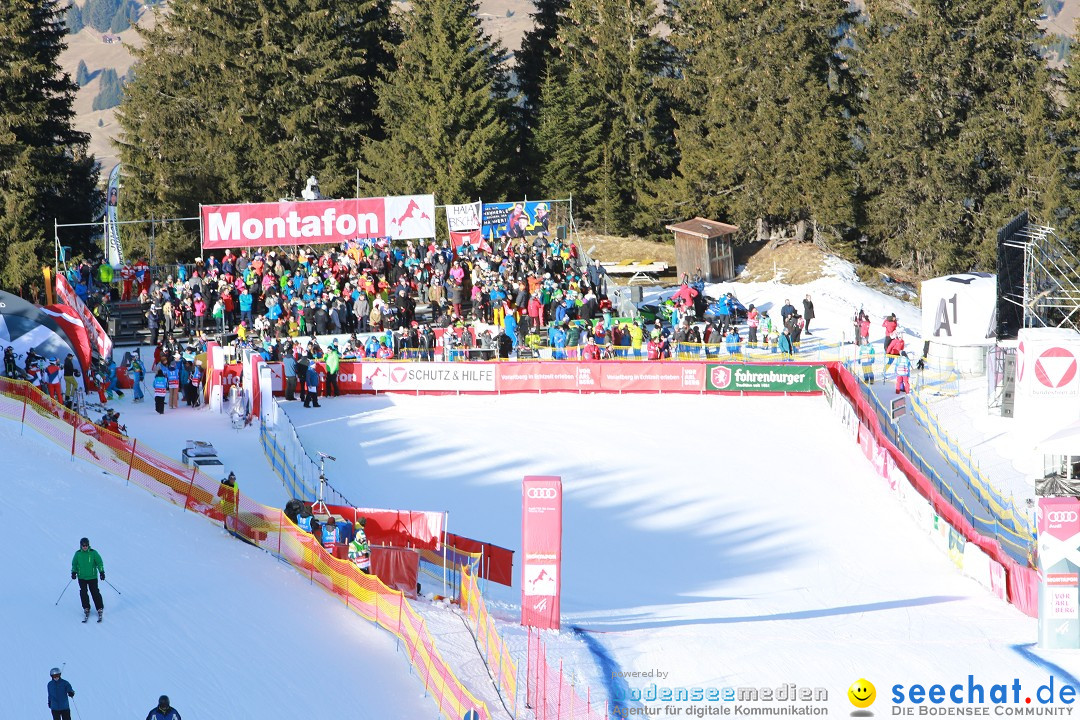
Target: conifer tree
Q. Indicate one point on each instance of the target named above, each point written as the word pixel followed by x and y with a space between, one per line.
pixel 610 60
pixel 531 70
pixel 73 18
pixel 241 101
pixel 46 174
pixel 82 74
pixel 959 127
pixel 764 106
pixel 99 14
pixel 111 90
pixel 445 109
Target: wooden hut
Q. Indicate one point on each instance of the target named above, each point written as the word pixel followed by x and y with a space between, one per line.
pixel 705 244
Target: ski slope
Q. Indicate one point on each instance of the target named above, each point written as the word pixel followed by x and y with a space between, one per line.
pixel 222 628
pixel 728 541
pixel 722 541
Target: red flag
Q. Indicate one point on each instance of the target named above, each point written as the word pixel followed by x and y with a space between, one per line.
pixel 72 325
pixel 99 340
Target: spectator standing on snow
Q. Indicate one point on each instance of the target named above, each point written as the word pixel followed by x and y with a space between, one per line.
pixel 163 711
pixel 889 324
pixel 161 389
pixel 786 311
pixel 903 372
pixel 87 568
pixel 785 346
pixel 892 352
pixel 71 385
pixel 136 371
pixel 866 360
pixel 59 691
pixel 290 373
pixel 333 364
pixel 311 380
pixel 808 313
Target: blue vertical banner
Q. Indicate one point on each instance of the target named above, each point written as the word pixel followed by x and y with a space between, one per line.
pixel 516 219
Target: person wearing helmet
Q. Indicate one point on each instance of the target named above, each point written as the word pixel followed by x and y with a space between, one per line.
pixel 163 711
pixel 59 692
pixel 87 568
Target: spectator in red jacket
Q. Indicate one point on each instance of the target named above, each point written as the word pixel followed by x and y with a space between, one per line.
pixel 889 324
pixel 591 351
pixel 896 346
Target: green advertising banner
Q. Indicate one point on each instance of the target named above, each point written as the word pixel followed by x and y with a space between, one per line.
pixel 778 378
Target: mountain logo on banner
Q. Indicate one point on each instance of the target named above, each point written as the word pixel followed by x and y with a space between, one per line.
pixel 720 377
pixel 540 580
pixel 412 214
pixel 1056 367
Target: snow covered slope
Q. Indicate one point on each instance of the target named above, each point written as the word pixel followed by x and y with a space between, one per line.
pixel 224 629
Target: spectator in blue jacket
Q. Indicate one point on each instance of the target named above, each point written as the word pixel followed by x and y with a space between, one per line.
pixel 311 397
pixel 785 346
pixel 558 343
pixel 59 692
pixel 290 374
pixel 245 306
pixel 733 342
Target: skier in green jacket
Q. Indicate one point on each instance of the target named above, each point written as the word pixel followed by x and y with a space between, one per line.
pixel 87 568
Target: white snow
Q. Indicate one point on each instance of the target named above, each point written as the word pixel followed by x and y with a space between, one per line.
pixel 726 541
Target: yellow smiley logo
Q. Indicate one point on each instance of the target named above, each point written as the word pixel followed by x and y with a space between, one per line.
pixel 862 693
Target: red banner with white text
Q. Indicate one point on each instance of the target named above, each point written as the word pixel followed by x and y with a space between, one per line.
pixel 541 551
pixel 317 222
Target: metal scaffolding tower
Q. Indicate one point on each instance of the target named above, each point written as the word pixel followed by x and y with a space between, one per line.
pixel 1038 278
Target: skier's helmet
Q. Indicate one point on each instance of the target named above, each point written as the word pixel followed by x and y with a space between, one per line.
pixel 163 701
pixel 55 672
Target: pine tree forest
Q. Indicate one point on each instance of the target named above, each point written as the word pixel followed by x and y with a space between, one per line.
pixel 900 133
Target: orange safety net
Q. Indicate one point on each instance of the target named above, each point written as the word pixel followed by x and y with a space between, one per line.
pixel 496 655
pixel 266 527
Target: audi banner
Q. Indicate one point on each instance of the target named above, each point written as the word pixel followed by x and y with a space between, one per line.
pixel 541 547
pixel 1059 565
pixel 317 222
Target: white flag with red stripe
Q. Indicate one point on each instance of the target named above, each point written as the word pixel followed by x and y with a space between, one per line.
pixel 98 338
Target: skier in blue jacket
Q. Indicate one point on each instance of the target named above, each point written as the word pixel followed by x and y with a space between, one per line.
pixel 163 711
pixel 59 692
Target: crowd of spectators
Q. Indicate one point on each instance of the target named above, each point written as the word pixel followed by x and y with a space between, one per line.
pixel 477 303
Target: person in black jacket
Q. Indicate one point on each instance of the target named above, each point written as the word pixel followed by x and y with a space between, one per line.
pixel 808 313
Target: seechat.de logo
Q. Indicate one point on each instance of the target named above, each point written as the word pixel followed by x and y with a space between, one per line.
pixel 541 493
pixel 1061 516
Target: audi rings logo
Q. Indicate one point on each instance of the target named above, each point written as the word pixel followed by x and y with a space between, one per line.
pixel 1060 516
pixel 546 494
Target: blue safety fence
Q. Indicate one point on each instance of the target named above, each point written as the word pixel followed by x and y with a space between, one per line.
pixel 967 492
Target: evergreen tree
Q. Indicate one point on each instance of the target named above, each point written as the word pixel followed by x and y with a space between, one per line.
pixel 46 174
pixel 73 18
pixel 111 90
pixel 82 74
pixel 610 61
pixel 121 19
pixel 959 127
pixel 531 70
pixel 444 108
pixel 764 108
pixel 99 14
pixel 263 93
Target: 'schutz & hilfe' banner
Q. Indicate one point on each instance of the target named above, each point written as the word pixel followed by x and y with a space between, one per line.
pixel 317 222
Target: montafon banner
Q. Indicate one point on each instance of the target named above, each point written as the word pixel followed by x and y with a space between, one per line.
pixel 317 222
pixel 541 549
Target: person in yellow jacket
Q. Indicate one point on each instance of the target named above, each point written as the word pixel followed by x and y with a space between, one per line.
pixel 636 336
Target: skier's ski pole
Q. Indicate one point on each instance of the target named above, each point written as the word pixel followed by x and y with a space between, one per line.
pixel 77 713
pixel 62 592
pixel 113 587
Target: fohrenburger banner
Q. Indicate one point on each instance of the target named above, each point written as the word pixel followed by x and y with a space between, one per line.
pixel 317 222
